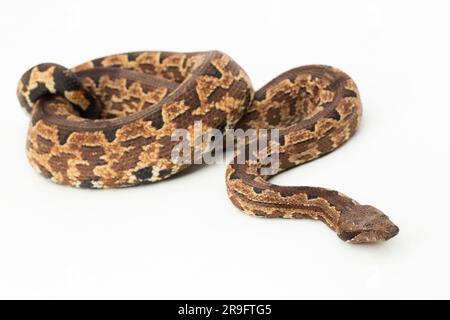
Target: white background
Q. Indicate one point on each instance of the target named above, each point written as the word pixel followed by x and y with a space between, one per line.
pixel 183 238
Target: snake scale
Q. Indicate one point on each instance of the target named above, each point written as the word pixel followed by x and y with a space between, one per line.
pixel 107 123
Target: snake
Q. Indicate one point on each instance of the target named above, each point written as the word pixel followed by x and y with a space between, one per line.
pixel 108 123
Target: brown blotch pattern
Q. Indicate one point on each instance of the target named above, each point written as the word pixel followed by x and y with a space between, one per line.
pixel 145 96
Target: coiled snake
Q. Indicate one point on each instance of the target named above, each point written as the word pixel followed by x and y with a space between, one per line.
pixel 108 123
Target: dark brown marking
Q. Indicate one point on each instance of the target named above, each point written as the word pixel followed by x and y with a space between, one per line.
pixel 349 93
pixel 164 173
pixel 110 134
pixel 273 116
pixel 334 114
pixel 212 71
pixel 257 190
pixel 144 174
pixel 163 56
pixel 43 145
pixel 38 92
pixel 156 119
pixel 63 135
pixel 217 94
pixel 234 175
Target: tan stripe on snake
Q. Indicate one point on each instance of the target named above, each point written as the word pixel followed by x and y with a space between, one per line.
pixel 108 123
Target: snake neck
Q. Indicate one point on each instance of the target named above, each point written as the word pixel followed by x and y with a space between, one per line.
pixel 351 221
pixel 320 110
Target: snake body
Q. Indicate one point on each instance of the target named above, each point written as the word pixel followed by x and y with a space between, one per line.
pixel 108 123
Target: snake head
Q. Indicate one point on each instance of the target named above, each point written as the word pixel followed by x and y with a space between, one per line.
pixel 366 224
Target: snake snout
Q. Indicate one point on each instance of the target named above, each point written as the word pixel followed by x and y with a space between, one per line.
pixel 367 224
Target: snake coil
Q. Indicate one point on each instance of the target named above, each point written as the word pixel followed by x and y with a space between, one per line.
pixel 108 123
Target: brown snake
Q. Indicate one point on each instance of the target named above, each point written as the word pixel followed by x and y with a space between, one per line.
pixel 108 123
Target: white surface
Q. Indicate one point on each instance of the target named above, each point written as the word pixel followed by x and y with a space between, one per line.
pixel 183 238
